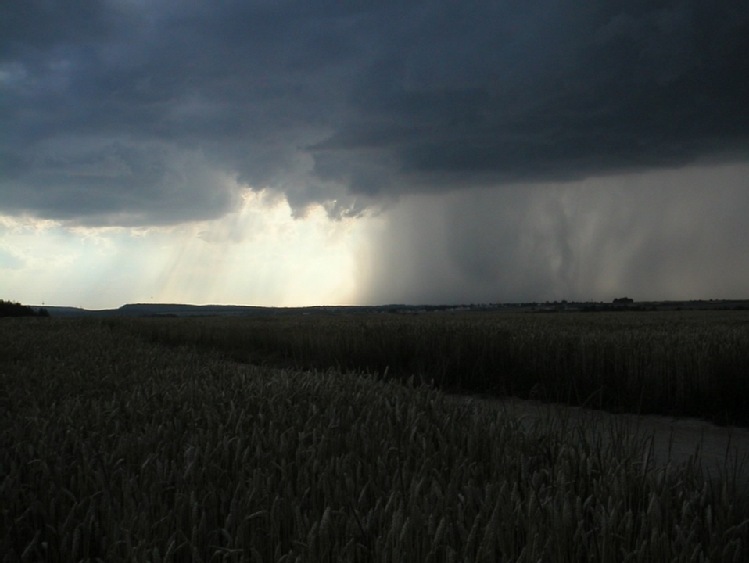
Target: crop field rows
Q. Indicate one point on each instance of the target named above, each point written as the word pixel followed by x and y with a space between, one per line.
pixel 681 363
pixel 115 446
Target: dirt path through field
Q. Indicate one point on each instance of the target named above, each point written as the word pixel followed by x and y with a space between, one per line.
pixel 675 439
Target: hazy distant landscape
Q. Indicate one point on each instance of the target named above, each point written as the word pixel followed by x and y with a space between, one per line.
pixel 185 310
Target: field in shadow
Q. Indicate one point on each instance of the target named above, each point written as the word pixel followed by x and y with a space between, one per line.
pixel 670 362
pixel 116 448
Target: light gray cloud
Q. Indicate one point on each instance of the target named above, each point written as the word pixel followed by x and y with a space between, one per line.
pixel 9 261
pixel 675 234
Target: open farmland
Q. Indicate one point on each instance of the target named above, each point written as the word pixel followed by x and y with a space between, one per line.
pixel 684 363
pixel 114 446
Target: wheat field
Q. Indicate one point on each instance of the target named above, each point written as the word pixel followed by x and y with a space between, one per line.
pixel 117 447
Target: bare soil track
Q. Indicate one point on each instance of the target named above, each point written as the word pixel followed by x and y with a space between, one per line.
pixel 720 450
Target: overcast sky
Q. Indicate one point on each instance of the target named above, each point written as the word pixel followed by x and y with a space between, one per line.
pixel 287 153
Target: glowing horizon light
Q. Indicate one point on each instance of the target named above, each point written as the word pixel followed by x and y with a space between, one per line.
pixel 256 255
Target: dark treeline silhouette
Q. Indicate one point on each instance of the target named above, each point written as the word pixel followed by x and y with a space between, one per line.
pixel 11 309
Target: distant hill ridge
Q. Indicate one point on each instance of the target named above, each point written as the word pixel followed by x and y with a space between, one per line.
pixel 179 308
pixel 186 310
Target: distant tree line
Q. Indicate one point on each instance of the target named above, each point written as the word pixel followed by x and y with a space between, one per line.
pixel 12 309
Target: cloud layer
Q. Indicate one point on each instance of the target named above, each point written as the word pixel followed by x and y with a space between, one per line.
pixel 159 112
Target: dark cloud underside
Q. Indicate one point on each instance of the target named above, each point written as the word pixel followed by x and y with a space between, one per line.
pixel 149 111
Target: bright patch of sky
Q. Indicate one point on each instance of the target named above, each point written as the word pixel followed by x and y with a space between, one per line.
pixel 257 255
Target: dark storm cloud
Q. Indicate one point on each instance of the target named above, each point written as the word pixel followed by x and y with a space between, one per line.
pixel 539 91
pixel 147 111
